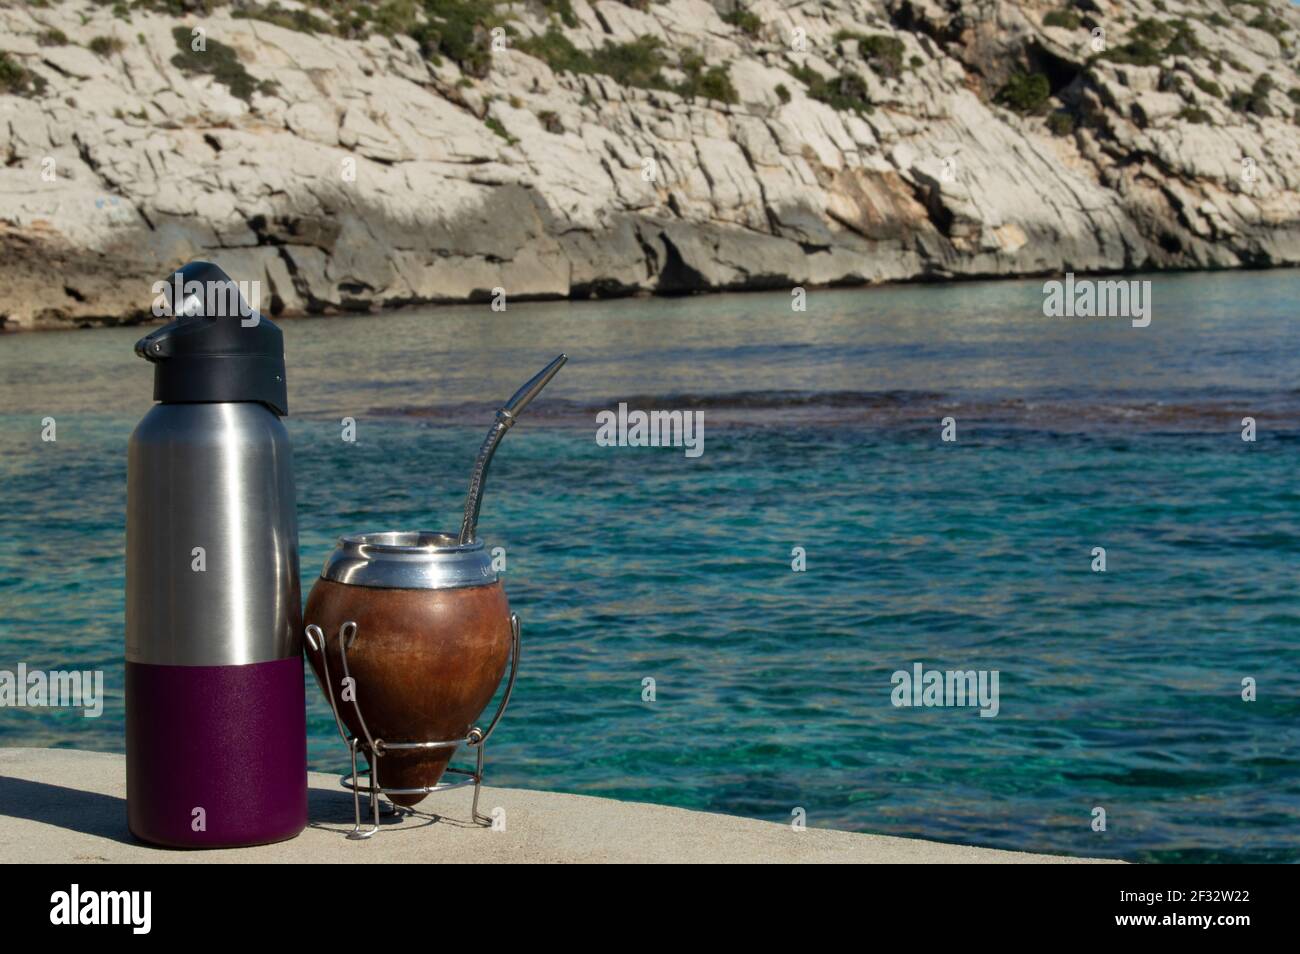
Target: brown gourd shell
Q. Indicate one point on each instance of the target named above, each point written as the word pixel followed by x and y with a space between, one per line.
pixel 426 663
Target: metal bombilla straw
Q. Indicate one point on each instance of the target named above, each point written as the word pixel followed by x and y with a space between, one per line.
pixel 506 418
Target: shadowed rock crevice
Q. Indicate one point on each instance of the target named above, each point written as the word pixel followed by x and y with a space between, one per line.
pixel 676 277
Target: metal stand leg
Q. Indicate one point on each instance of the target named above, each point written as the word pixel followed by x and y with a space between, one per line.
pixel 478 784
pixel 357 834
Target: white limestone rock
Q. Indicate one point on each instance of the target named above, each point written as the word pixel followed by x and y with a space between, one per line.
pixel 358 174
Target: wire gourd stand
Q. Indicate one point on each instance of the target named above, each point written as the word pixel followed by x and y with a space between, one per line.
pixel 368 780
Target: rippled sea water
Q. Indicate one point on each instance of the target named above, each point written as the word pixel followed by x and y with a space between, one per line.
pixel 1120 690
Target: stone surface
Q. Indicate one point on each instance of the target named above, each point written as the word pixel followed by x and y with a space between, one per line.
pixel 358 174
pixel 66 806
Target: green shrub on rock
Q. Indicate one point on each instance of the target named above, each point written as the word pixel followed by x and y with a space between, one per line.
pixel 1208 87
pixel 303 21
pixel 1255 100
pixel 1025 92
pixel 1274 26
pixel 748 23
pixel 217 60
pixel 639 63
pixel 457 30
pixel 711 82
pixel 1060 124
pixel 1151 41
pixel 16 79
pixel 881 51
pixel 1066 19
pixel 495 125
pixel 564 10
pixel 844 93
pixel 105 45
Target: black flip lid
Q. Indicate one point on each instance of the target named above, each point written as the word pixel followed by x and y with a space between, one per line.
pixel 218 349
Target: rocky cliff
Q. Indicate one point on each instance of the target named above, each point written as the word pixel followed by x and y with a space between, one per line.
pixel 351 156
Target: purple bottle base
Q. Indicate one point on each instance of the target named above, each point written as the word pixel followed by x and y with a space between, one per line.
pixel 231 740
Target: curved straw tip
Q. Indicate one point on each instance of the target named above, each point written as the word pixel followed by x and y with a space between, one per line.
pixel 551 369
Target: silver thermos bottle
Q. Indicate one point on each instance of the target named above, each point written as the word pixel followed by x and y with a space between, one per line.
pixel 215 708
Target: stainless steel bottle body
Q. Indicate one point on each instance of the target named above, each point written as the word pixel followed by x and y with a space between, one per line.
pixel 216 735
pixel 212 538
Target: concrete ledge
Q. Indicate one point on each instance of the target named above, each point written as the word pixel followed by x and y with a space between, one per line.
pixel 62 805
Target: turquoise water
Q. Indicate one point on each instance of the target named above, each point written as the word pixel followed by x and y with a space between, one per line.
pixel 1119 690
